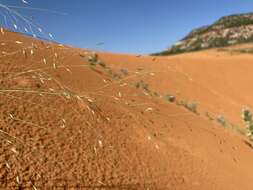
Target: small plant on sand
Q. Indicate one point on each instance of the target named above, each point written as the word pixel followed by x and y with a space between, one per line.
pixel 209 116
pixel 142 85
pixel 247 118
pixel 170 98
pixel 156 94
pixel 192 106
pixel 93 58
pixel 101 64
pixel 221 120
pixel 124 72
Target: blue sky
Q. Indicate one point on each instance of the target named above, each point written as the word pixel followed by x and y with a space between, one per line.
pixel 128 26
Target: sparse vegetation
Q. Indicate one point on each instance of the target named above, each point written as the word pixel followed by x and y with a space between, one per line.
pixel 47 109
pixel 191 106
pixel 221 120
pixel 170 98
pixel 237 51
pixel 156 94
pixel 124 72
pixel 234 21
pixel 209 116
pixel 101 63
pixel 247 118
pixel 93 58
pixel 142 85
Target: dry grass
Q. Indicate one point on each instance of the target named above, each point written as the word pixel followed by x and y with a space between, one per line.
pixel 32 86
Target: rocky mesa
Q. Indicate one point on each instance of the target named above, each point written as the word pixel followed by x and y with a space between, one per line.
pixel 228 30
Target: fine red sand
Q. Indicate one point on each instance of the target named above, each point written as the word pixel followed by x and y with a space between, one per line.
pixel 67 122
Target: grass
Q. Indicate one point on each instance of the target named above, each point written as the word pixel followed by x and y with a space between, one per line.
pixel 43 97
pixel 36 100
pixel 20 103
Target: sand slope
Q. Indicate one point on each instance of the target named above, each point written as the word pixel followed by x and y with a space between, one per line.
pixel 69 120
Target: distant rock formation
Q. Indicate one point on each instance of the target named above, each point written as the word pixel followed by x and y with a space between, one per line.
pixel 228 30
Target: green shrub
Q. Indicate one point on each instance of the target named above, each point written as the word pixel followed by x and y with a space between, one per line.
pixel 170 98
pixel 247 118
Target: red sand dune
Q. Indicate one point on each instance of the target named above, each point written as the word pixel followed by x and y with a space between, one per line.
pixel 69 119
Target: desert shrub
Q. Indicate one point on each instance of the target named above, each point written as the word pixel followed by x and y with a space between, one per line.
pixel 143 85
pixel 93 58
pixel 101 63
pixel 124 72
pixel 156 94
pixel 192 106
pixel 137 85
pixel 116 76
pixel 247 118
pixel 209 116
pixel 221 120
pixel 146 88
pixel 170 98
